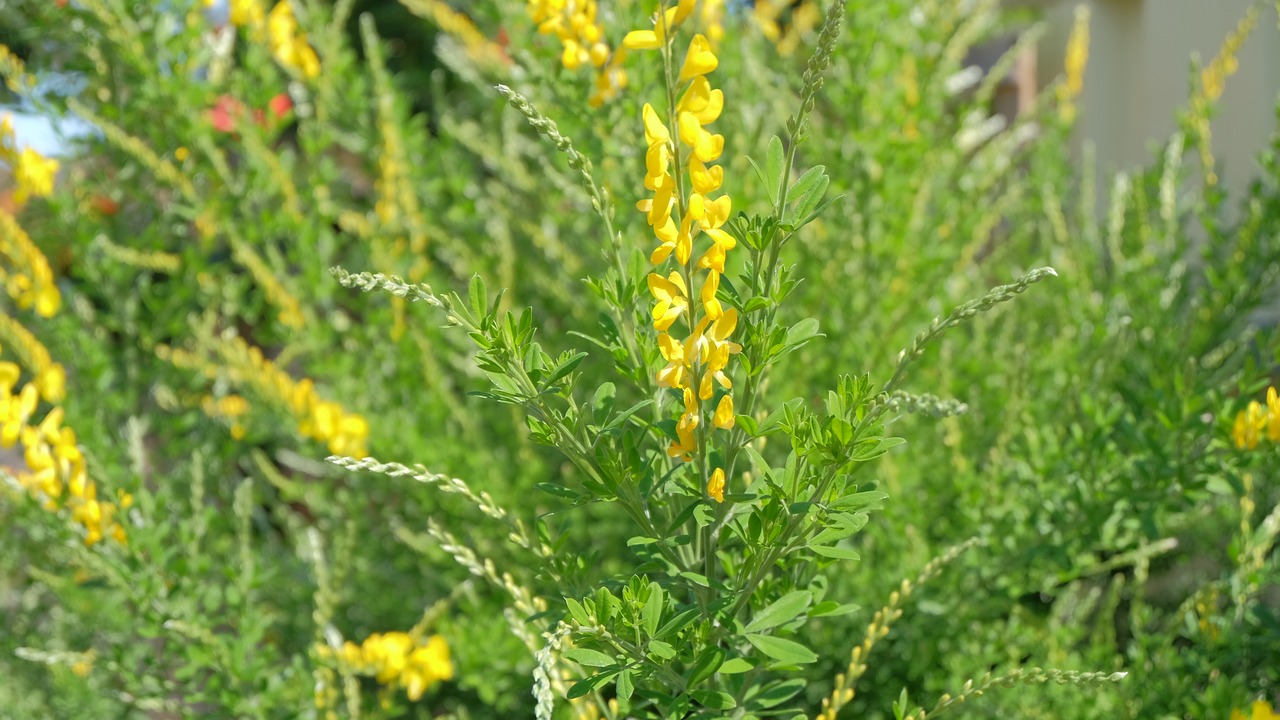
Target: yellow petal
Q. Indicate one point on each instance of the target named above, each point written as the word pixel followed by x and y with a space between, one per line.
pixel 724 417
pixel 700 59
pixel 715 486
pixel 642 40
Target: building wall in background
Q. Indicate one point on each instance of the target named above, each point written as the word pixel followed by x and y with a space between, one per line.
pixel 1137 77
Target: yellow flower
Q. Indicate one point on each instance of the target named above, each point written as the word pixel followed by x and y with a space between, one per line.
pixel 672 295
pixel 1261 711
pixel 246 12
pixel 724 417
pixel 288 43
pixel 34 174
pixel 700 59
pixel 397 658
pixel 715 486
pixel 1248 423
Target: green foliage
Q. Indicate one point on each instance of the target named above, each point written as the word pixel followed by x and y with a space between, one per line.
pixel 383 361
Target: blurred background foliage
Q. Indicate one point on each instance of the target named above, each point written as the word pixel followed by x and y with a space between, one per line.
pixel 1121 528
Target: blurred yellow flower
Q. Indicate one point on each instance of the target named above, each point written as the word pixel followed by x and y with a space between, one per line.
pixel 288 43
pixel 1261 711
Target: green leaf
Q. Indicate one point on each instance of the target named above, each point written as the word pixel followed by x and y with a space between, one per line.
pixel 821 208
pixel 734 666
pixel 842 525
pixel 785 651
pixel 706 665
pixel 478 294
pixel 583 687
pixel 831 609
pixel 714 699
pixel 662 650
pixel 557 490
pixel 773 168
pixel 624 685
pixel 869 500
pixel 777 693
pixel 589 657
pixel 757 460
pixel 577 612
pixel 812 194
pixel 622 416
pixel 651 615
pixel 565 368
pixel 602 401
pixel 806 185
pixel 801 333
pixel 837 553
pixel 677 623
pixel 878 449
pixel 782 610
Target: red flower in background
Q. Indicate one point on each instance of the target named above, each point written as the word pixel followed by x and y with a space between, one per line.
pixel 227 110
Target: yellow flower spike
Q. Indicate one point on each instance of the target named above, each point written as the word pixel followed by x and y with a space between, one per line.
pixel 724 417
pixel 699 60
pixel 715 486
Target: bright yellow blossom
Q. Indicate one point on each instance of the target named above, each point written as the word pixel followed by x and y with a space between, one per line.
pixel 1256 418
pixel 32 172
pixel 715 486
pixel 399 659
pixel 288 43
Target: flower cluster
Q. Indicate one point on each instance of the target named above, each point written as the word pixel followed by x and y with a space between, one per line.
pixel 26 273
pixel 398 658
pixel 33 173
pixel 55 468
pixel 581 35
pixel 1257 419
pixel 681 212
